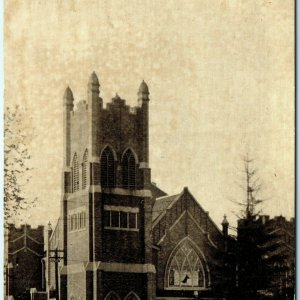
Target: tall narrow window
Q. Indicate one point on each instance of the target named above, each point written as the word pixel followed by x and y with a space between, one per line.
pixel 75 173
pixel 129 170
pixel 107 168
pixel 84 169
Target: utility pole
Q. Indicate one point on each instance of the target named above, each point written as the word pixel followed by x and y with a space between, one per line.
pixel 55 257
pixel 47 260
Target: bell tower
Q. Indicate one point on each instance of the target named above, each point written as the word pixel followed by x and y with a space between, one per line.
pixel 107 202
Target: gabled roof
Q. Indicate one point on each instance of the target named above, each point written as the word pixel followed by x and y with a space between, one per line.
pixel 282 230
pixel 161 204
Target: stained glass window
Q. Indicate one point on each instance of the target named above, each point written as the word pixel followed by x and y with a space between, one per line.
pixel 186 269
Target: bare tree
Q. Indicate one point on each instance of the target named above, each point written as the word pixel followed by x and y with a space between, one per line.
pixel 252 185
pixel 16 162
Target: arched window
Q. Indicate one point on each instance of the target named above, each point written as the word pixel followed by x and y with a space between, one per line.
pixel 129 170
pixel 112 296
pixel 107 168
pixel 75 174
pixel 132 296
pixel 84 169
pixel 185 269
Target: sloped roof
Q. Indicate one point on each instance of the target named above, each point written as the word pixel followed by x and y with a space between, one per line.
pixel 161 204
pixel 156 191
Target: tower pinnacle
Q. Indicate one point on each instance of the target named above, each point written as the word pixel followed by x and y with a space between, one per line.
pixel 225 225
pixel 94 79
pixel 93 85
pixel 68 97
pixel 143 93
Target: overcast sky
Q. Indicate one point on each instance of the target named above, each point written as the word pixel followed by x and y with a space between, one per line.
pixel 221 80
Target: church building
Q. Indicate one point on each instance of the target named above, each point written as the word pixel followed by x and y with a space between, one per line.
pixel 121 236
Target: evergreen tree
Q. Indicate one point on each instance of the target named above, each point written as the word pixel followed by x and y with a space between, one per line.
pixel 252 238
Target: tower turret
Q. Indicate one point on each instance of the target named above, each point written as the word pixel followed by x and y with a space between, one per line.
pixel 143 100
pixel 94 108
pixel 68 104
pixel 143 93
pixel 225 225
pixel 93 84
pixel 68 98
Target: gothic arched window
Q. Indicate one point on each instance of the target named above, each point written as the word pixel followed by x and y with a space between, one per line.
pixel 75 174
pixel 107 168
pixel 185 269
pixel 132 296
pixel 84 169
pixel 112 296
pixel 129 170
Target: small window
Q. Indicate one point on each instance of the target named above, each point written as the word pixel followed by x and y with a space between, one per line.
pixel 75 174
pixel 84 169
pixel 83 219
pixel 107 218
pixel 132 220
pixel 80 220
pixel 115 215
pixel 77 220
pixel 124 219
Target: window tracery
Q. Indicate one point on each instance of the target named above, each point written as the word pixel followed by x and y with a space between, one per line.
pixel 132 296
pixel 185 269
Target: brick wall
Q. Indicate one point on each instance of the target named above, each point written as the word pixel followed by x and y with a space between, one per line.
pixel 76 253
pixel 186 219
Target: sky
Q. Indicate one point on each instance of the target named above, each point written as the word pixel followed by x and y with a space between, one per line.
pixel 221 81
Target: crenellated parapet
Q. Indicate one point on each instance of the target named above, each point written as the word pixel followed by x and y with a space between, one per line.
pixel 89 127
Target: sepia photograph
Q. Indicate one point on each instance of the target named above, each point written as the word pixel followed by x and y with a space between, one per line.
pixel 149 150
